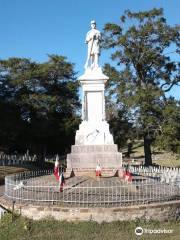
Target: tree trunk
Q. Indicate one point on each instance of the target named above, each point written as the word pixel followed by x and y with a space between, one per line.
pixel 147 150
pixel 41 156
pixel 129 150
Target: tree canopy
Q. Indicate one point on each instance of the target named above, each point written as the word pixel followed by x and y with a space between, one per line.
pixel 39 104
pixel 145 71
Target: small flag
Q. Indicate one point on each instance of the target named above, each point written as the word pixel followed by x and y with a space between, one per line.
pixel 61 182
pixel 56 168
pixel 98 170
pixel 127 176
pixel 59 176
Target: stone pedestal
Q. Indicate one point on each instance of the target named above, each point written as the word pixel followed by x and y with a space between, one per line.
pixel 84 158
pixel 93 142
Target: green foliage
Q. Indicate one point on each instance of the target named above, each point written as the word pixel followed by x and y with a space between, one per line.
pixel 39 104
pixel 144 71
pixel 116 112
pixel 168 137
pixel 47 229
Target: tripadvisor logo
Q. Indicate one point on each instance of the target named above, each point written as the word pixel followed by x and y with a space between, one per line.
pixel 139 231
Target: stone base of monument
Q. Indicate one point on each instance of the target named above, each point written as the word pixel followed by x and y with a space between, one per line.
pixel 94 133
pixel 83 160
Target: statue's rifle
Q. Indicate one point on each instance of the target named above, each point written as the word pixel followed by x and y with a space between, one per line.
pixel 89 54
pixel 91 47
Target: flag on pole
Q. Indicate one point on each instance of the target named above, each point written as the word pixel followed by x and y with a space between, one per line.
pixel 56 168
pixel 59 176
pixel 128 176
pixel 98 170
pixel 61 182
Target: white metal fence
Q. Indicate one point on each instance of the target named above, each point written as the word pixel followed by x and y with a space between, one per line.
pixel 164 174
pixel 41 187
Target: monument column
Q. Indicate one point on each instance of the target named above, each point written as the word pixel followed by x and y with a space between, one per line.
pixel 93 141
pixel 104 112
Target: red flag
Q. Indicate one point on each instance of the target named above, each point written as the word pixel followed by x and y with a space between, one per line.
pixel 56 173
pixel 127 176
pixel 98 170
pixel 56 168
pixel 59 177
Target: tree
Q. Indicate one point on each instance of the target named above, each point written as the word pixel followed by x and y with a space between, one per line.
pixel 168 136
pixel 46 96
pixel 116 112
pixel 145 70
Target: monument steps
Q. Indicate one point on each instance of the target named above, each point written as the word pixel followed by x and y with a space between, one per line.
pixel 88 156
pixel 106 172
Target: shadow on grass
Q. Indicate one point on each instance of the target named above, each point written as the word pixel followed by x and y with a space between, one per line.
pixel 12 169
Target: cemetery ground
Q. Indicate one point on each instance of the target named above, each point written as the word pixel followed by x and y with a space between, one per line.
pixel 21 228
pixel 159 157
pixel 7 170
pixel 18 227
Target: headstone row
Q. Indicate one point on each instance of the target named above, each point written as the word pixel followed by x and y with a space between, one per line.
pixel 164 174
pixel 7 159
pixel 17 159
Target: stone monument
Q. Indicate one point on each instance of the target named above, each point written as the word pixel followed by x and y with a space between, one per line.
pixel 93 141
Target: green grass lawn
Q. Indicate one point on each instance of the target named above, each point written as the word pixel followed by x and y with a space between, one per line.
pixel 171 160
pixel 168 162
pixel 49 229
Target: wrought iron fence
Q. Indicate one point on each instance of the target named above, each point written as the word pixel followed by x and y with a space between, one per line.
pixel 41 187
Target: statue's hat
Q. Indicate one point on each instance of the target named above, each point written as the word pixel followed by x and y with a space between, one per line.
pixel 93 22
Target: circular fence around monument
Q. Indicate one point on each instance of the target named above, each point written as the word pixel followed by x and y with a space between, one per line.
pixel 41 187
